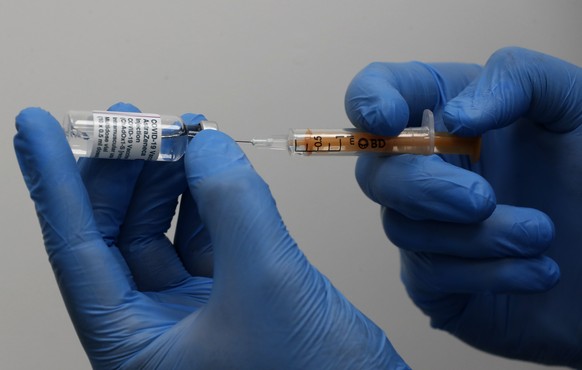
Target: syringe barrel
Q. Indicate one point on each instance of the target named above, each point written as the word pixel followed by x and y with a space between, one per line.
pixel 414 140
pixel 351 141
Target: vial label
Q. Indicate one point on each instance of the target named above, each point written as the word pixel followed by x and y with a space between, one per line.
pixel 122 135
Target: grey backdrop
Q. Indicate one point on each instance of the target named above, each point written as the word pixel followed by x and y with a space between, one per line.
pixel 255 66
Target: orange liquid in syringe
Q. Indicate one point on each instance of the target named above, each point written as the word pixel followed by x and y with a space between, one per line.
pixel 352 141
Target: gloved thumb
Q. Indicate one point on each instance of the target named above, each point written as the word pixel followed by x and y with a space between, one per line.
pixel 518 83
pixel 268 304
pixel 251 244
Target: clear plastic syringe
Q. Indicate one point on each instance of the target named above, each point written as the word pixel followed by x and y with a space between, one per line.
pixel 348 141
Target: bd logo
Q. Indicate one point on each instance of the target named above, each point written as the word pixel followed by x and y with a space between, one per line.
pixel 364 143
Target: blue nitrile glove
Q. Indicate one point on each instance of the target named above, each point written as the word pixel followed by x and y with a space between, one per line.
pixel 139 301
pixel 481 243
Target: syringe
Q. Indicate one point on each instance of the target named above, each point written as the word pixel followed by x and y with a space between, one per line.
pixel 348 141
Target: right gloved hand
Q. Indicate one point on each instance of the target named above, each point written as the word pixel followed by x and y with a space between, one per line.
pixel 481 243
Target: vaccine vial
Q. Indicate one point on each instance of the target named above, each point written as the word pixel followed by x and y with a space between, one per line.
pixel 128 135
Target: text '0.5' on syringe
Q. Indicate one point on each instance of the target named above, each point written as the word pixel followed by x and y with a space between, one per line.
pixel 127 135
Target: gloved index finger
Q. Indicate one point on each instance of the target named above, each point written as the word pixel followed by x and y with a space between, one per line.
pixel 192 240
pixel 518 83
pixel 151 257
pixel 373 103
pixel 384 97
pixel 85 268
pixel 110 185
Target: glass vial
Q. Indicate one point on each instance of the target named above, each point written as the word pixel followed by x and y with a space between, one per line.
pixel 128 135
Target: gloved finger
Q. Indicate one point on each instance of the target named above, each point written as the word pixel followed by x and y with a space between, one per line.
pixel 427 275
pixel 518 83
pixel 508 232
pixel 251 244
pixel 110 186
pixel 85 268
pixel 426 188
pixel 384 97
pixel 192 240
pixel 151 257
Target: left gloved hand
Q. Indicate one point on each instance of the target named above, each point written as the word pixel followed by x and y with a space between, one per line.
pixel 139 301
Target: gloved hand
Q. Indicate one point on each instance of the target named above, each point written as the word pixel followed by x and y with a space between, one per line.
pixel 489 251
pixel 139 301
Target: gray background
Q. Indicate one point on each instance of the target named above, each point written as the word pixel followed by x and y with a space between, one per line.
pixel 257 67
